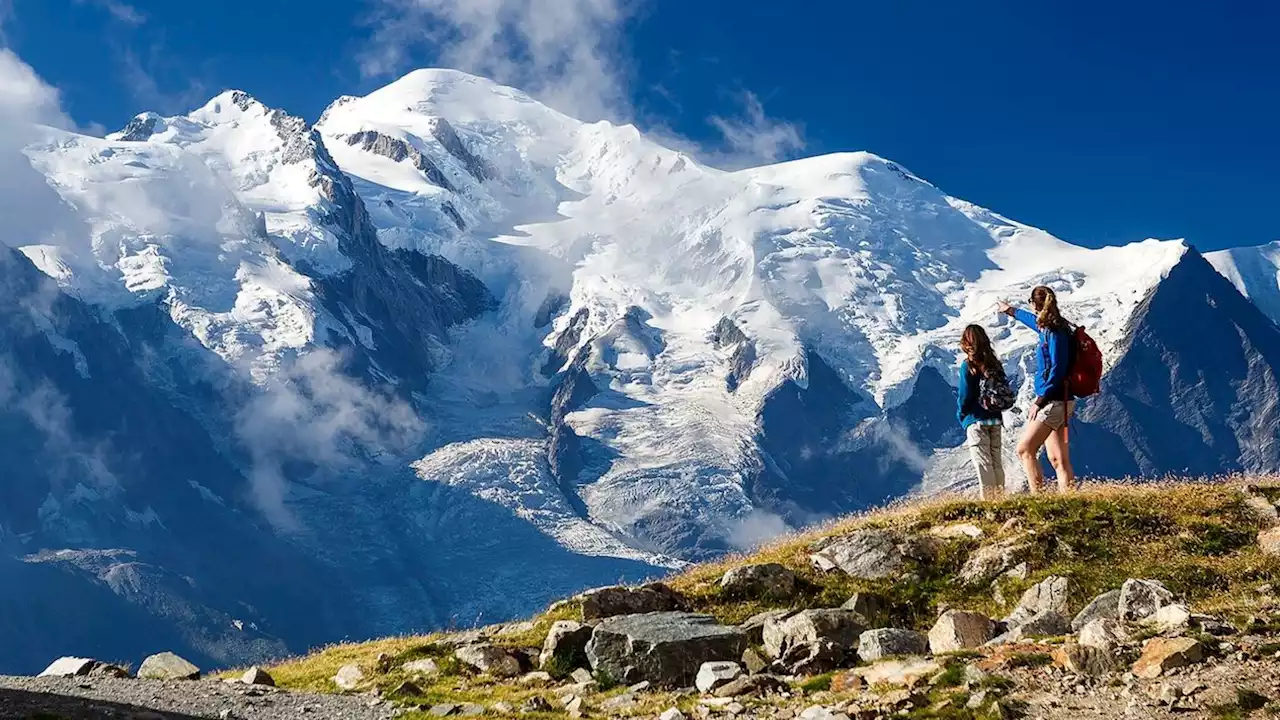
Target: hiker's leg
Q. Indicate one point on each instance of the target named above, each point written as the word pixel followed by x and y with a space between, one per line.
pixel 1029 452
pixel 997 457
pixel 1058 447
pixel 980 454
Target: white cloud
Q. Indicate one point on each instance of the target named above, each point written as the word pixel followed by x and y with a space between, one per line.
pixel 570 54
pixel 754 138
pixel 119 10
pixel 313 413
pixel 564 51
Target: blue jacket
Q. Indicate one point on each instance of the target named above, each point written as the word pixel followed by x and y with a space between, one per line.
pixel 969 409
pixel 1052 360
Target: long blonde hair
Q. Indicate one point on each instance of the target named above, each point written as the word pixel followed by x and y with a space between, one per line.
pixel 1045 303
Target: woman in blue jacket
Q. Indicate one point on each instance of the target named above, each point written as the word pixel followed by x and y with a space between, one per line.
pixel 1048 417
pixel 982 426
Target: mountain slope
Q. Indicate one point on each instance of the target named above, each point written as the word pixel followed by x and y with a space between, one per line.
pixel 1255 272
pixel 451 353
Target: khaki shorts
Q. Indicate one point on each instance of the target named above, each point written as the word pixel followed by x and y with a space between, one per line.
pixel 1056 413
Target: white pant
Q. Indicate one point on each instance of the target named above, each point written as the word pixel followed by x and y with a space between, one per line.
pixel 983 442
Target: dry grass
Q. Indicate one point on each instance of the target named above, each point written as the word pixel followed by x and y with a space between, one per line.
pixel 1197 538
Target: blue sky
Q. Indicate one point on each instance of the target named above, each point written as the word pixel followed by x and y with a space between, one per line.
pixel 1100 122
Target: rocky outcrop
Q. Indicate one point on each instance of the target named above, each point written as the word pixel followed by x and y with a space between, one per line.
pixel 870 554
pixel 565 647
pixel 663 648
pixel 838 627
pixel 448 138
pixel 399 150
pixel 622 600
pixel 1139 599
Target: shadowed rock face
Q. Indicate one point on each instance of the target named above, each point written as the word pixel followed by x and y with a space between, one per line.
pixel 1198 388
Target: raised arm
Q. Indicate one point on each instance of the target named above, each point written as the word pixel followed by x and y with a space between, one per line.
pixel 1026 317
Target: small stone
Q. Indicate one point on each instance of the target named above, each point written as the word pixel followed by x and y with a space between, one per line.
pixel 1161 655
pixel 1269 541
pixel 672 714
pixel 574 707
pixel 383 663
pixel 1084 660
pixel 752 685
pixel 625 701
pixel 348 677
pixel 883 642
pixel 406 689
pixel 443 709
pixel 1052 593
pixel 167 666
pixel 714 674
pixel 536 704
pixel 873 607
pixel 537 677
pixel 767 581
pixel 1140 599
pixel 752 661
pixel 985 563
pixel 581 675
pixel 425 666
pixel 960 530
pixel 960 630
pixel 813 658
pixel 1049 623
pixel 1173 618
pixel 640 687
pixel 1105 634
pixel 504 708
pixel 257 676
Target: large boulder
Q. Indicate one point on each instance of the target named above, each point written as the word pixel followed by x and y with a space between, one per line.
pixel 1140 599
pixel 1170 619
pixel 989 561
pixel 621 600
pixel 1105 606
pixel 766 581
pixel 837 626
pixel 960 630
pixel 167 666
pixel 871 554
pixel 491 659
pixel 1084 659
pixel 664 648
pixel 257 676
pixel 1052 593
pixel 348 677
pixel 1159 655
pixel 754 625
pixel 814 657
pixel 565 647
pixel 885 642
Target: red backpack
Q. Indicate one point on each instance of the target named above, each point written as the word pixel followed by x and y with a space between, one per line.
pixel 1085 374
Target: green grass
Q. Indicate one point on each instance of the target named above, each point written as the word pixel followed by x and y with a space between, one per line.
pixel 817 683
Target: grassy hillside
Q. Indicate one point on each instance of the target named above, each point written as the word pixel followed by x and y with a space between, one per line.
pixel 1200 540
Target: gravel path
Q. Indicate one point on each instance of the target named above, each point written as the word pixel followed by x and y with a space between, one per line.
pixel 92 698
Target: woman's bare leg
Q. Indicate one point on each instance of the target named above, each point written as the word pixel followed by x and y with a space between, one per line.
pixel 1029 452
pixel 1058 447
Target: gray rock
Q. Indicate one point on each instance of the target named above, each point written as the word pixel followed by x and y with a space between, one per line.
pixel 1105 634
pixel 838 626
pixel 714 674
pixel 752 685
pixel 1047 623
pixel 1174 618
pixel 167 666
pixel 625 701
pixel 1052 593
pixel 581 676
pixel 866 555
pixel 881 643
pixel 672 714
pixel 621 600
pixel 69 667
pixel 565 647
pixel 425 666
pixel 767 581
pixel 752 661
pixel 443 709
pixel 665 648
pixel 873 607
pixel 491 659
pixel 989 561
pixel 754 625
pixel 1106 605
pixel 257 676
pixel 1140 599
pixel 960 630
pixel 348 677
pixel 814 657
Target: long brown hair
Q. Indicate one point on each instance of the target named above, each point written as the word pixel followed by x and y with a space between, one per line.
pixel 978 351
pixel 1045 303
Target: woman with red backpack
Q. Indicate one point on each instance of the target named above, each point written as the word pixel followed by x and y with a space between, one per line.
pixel 983 396
pixel 1049 414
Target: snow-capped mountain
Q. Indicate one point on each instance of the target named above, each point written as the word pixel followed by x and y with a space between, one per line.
pixel 457 353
